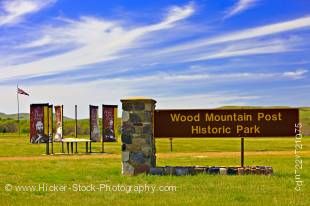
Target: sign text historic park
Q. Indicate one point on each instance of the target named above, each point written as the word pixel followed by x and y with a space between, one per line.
pixel 226 123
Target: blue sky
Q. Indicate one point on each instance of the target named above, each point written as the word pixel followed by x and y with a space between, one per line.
pixel 184 54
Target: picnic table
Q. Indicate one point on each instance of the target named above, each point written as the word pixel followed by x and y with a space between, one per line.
pixel 76 141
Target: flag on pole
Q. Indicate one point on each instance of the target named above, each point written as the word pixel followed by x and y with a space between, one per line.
pixel 20 91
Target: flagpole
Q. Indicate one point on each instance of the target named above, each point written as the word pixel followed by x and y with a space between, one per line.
pixel 18 111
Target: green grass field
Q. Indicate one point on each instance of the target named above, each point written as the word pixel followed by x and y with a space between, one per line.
pixel 23 164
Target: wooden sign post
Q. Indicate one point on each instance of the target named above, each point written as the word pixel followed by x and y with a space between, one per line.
pixel 242 152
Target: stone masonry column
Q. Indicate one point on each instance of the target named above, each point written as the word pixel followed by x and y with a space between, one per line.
pixel 138 142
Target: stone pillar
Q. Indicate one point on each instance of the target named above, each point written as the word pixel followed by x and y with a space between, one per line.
pixel 138 142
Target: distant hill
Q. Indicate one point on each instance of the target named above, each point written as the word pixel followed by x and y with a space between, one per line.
pixel 22 116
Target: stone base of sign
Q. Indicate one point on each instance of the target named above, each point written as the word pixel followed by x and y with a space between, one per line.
pixel 214 170
pixel 138 143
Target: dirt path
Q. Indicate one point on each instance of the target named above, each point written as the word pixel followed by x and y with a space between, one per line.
pixel 159 155
pixel 62 157
pixel 233 154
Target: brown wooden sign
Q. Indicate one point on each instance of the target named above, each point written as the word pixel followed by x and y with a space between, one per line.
pixel 226 123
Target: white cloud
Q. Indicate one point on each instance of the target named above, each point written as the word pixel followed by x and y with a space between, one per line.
pixel 203 101
pixel 239 7
pixel 253 50
pixel 234 49
pixel 245 34
pixel 13 11
pixel 38 43
pixel 167 79
pixel 96 40
pixel 177 13
pixel 298 74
